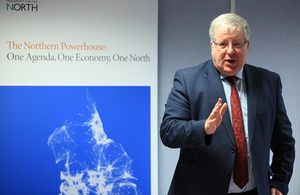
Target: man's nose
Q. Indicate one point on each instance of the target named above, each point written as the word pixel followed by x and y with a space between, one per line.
pixel 230 49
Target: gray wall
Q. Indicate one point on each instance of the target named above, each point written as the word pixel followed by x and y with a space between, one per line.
pixel 184 42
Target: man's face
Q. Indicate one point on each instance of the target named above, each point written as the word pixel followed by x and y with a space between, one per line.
pixel 229 60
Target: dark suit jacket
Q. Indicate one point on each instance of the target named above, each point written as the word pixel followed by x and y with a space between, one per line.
pixel 206 162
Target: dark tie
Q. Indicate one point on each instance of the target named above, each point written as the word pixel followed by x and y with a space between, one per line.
pixel 240 171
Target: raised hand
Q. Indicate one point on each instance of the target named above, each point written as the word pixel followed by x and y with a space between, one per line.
pixel 215 117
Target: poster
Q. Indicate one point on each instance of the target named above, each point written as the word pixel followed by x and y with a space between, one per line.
pixel 78 89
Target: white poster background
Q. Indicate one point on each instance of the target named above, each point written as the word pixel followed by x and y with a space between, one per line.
pixel 42 44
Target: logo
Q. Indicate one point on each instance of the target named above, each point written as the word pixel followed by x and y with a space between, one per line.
pixel 22 5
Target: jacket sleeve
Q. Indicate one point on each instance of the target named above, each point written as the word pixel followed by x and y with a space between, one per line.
pixel 282 146
pixel 178 129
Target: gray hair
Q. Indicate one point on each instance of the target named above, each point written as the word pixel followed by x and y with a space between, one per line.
pixel 229 21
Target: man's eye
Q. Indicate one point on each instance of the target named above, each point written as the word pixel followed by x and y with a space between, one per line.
pixel 237 44
pixel 222 44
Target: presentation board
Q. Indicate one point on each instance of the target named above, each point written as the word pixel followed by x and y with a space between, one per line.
pixel 78 97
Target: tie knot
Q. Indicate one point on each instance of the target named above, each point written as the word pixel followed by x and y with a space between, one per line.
pixel 231 79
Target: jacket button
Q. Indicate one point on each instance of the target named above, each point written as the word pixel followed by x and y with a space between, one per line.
pixel 233 150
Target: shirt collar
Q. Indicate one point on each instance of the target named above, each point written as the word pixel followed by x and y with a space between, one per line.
pixel 239 75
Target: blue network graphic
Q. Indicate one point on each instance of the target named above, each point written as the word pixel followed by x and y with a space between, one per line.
pixel 109 170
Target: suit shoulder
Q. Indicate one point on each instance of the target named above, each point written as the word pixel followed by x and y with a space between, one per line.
pixel 195 70
pixel 260 72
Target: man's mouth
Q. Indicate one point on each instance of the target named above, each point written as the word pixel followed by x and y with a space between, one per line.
pixel 230 61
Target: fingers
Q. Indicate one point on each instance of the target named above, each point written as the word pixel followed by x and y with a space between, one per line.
pixel 274 191
pixel 215 117
pixel 217 106
pixel 219 103
pixel 218 109
pixel 223 109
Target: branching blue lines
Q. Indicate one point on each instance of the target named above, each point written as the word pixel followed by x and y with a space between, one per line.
pixel 110 170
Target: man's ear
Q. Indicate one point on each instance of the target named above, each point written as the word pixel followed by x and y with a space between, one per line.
pixel 248 44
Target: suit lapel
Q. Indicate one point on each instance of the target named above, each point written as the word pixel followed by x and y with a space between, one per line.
pixel 252 85
pixel 215 85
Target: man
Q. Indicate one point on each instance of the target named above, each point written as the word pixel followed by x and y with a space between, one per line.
pixel 214 148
